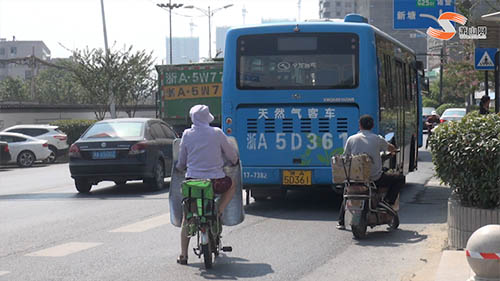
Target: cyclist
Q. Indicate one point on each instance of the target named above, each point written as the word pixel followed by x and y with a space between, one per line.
pixel 201 151
pixel 366 142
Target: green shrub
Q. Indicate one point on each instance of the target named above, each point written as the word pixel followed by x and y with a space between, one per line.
pixel 466 155
pixel 445 106
pixel 428 102
pixel 73 128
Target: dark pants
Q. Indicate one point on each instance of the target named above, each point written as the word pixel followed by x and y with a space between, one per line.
pixel 393 182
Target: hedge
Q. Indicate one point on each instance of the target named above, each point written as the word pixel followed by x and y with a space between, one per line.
pixel 73 128
pixel 466 155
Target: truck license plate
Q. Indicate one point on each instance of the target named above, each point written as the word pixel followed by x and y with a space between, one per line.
pixel 297 177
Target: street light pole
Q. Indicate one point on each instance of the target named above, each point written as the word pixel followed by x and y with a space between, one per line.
pixel 209 13
pixel 209 35
pixel 170 6
pixel 112 106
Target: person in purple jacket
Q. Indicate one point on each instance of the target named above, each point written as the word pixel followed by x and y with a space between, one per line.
pixel 202 151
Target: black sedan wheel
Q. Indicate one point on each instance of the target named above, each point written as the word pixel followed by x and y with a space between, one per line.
pixel 158 181
pixel 83 185
pixel 25 159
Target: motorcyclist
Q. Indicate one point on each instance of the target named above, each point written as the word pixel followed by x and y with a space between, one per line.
pixel 366 142
pixel 201 152
pixel 431 121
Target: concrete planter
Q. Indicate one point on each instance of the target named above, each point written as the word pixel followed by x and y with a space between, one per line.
pixel 463 221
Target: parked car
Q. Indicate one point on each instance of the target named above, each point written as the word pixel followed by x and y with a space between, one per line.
pixel 452 114
pixel 4 153
pixel 25 150
pixel 57 140
pixel 426 112
pixel 120 150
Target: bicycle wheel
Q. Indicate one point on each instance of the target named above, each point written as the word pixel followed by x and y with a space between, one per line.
pixel 207 255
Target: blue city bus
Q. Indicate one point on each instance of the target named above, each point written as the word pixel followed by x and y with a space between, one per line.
pixel 293 94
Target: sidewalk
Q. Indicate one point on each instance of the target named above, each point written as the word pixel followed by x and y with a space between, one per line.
pixel 453 267
pixel 449 265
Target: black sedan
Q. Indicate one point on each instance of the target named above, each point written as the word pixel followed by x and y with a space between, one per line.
pixel 4 153
pixel 120 150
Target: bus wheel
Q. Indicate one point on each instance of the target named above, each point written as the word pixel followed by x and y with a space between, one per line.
pixel 259 194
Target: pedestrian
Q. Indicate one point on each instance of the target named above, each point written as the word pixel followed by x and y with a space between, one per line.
pixel 484 105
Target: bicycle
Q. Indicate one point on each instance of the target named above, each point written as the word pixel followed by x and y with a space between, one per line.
pixel 200 205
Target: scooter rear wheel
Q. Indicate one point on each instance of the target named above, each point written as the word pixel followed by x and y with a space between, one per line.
pixel 359 230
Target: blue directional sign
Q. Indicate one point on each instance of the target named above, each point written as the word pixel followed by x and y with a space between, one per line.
pixel 484 58
pixel 420 14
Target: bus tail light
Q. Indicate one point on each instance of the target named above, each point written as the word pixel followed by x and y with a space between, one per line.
pixel 229 131
pixel 229 121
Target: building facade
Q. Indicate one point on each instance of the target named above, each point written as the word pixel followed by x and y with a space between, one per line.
pixel 184 50
pixel 380 14
pixel 336 8
pixel 11 50
pixel 220 39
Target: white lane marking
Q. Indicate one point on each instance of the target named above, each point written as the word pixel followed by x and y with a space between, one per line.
pixel 144 225
pixel 4 272
pixel 64 249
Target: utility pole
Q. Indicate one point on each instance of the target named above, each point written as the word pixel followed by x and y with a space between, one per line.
pixel 170 6
pixel 33 62
pixel 497 81
pixel 441 74
pixel 209 13
pixel 112 106
pixel 209 34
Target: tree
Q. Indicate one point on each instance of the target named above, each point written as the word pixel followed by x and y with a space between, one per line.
pixel 13 89
pixel 138 82
pixel 58 86
pixel 121 73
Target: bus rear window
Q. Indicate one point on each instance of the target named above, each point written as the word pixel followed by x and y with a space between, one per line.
pixel 298 61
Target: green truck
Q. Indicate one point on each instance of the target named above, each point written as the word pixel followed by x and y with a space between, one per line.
pixel 181 86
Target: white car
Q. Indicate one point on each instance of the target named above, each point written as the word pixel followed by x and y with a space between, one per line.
pixel 57 140
pixel 25 150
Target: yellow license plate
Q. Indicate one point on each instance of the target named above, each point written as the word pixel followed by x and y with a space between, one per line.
pixel 297 177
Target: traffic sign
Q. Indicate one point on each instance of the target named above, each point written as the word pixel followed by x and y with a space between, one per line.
pixel 420 14
pixel 485 58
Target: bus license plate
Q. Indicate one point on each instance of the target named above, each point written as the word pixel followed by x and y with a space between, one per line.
pixel 297 177
pixel 109 154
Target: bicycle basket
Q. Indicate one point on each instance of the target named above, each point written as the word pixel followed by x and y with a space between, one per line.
pixel 351 168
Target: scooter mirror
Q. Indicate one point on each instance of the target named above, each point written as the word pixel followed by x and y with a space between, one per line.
pixel 389 137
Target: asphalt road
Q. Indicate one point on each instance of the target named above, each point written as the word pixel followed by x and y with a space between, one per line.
pixel 50 232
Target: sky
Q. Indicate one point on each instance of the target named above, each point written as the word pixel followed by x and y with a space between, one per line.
pixel 66 25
